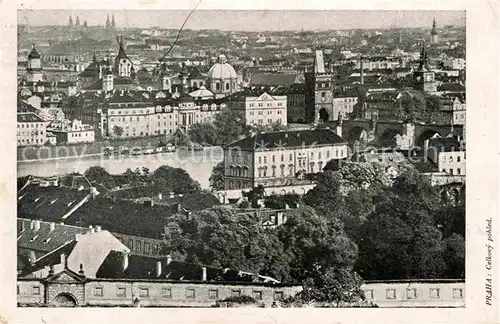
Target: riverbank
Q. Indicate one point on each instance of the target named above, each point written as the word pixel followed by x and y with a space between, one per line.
pixel 35 153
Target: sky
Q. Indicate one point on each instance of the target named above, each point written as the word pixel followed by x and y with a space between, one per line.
pixel 250 20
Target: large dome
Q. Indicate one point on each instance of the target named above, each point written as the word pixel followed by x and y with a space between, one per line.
pixel 222 69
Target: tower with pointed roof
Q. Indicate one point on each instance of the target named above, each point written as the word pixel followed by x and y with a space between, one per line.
pixel 423 78
pixel 107 78
pixel 107 21
pixel 434 33
pixel 70 21
pixel 123 65
pixel 34 68
pixel 113 23
pixel 77 21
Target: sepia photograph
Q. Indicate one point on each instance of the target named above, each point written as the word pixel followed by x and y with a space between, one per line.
pixel 218 158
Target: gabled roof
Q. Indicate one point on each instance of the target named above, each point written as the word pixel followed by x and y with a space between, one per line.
pixel 288 139
pixel 29 117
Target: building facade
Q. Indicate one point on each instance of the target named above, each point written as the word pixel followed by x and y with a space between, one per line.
pixel 448 154
pixel 265 109
pixel 34 68
pixel 72 132
pixel 32 130
pixel 280 158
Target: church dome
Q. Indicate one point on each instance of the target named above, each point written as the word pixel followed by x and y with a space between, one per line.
pixel 222 69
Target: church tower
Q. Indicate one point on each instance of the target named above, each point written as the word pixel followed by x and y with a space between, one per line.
pixel 77 21
pixel 113 23
pixel 123 65
pixel 434 34
pixel 70 22
pixel 107 22
pixel 423 78
pixel 34 68
pixel 107 78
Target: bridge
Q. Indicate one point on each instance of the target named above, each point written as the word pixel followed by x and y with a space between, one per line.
pixel 384 132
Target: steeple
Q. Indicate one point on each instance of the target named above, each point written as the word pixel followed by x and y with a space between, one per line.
pixel 70 21
pixel 113 24
pixel 85 23
pixel 423 58
pixel 434 32
pixel 77 21
pixel 107 21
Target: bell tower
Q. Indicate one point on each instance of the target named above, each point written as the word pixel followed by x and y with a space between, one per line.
pixel 423 78
pixel 34 68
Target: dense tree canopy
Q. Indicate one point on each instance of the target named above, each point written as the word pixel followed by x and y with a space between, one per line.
pixel 217 177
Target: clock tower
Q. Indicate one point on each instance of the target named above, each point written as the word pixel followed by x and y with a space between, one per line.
pixel 423 78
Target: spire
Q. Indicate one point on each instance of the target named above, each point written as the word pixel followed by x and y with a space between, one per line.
pixel 77 21
pixel 423 58
pixel 434 31
pixel 107 21
pixel 70 21
pixel 113 24
pixel 84 23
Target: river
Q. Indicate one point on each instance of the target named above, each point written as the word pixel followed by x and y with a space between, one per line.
pixel 198 164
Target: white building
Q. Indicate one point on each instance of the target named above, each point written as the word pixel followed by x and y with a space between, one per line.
pixel 448 154
pixel 278 159
pixel 31 129
pixel 73 132
pixel 265 109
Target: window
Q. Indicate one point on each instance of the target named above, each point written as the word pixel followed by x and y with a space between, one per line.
pixel 451 171
pixel 121 292
pixel 35 290
pixel 451 159
pixel 282 158
pixel 458 158
pixel 257 295
pixel 190 293
pixel 98 291
pixel 265 159
pixel 434 293
pixel 260 159
pixel 411 293
pixel 336 152
pixel 18 290
pixel 143 292
pixel 319 155
pixel 213 294
pixel 459 171
pixel 390 294
pixel 227 86
pixel 217 86
pixel 278 295
pixel 291 157
pixel 236 293
pixel 458 293
pixel 166 293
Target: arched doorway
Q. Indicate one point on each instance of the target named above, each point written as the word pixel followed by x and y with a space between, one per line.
pixel 65 300
pixel 324 116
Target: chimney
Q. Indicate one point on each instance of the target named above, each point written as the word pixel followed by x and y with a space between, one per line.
pixel 32 225
pixel 23 226
pixel 160 196
pixel 98 228
pixel 158 268
pixel 204 274
pixel 63 259
pixel 279 218
pixel 124 261
pixel 37 226
pixel 169 259
pixel 52 226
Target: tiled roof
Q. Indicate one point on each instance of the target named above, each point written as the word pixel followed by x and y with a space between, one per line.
pixel 48 203
pixel 45 239
pixel 287 139
pixel 455 87
pixel 24 107
pixel 28 117
pixel 142 267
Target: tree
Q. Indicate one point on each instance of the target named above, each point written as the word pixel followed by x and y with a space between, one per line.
pixel 169 179
pixel 217 177
pixel 204 133
pixel 454 256
pixel 118 131
pixel 230 126
pixel 310 241
pixel 255 196
pixel 221 237
pixel 332 285
pixel 100 175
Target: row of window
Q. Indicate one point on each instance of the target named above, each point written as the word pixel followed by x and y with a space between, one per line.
pixel 451 172
pixel 273 157
pixel 450 159
pixel 134 134
pixel 269 112
pixel 78 134
pixel 31 141
pixel 140 246
pixel 190 293
pixel 33 125
pixel 32 133
pixel 269 104
pixel 411 293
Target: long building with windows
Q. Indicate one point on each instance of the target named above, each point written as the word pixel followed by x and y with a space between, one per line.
pixel 265 109
pixel 280 158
